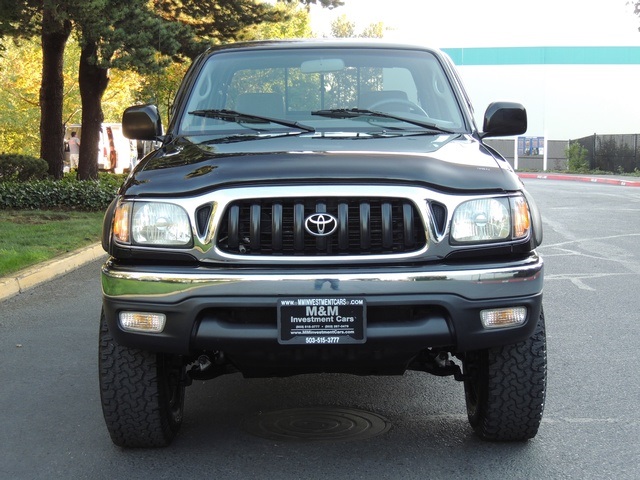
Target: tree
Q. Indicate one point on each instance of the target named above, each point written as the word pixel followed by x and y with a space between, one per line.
pixel 137 34
pixel 24 19
pixel 577 157
pixel 342 27
pixel 218 21
pixel 19 100
pixel 20 82
pixel 160 88
pixel 17 19
pixel 324 3
pixel 296 24
pixel 48 19
pixel 141 35
pixel 55 31
pixel 374 30
pixel 212 22
pixel 122 34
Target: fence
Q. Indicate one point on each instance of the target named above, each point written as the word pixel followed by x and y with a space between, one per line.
pixel 556 156
pixel 612 153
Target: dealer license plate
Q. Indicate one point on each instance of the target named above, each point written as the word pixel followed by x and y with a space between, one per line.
pixel 321 321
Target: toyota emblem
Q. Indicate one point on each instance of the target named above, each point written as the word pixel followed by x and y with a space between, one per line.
pixel 321 224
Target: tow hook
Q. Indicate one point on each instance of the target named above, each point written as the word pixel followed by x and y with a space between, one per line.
pixel 205 367
pixel 439 364
pixel 203 363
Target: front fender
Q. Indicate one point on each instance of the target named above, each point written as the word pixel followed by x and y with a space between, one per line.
pixel 107 224
pixel 536 219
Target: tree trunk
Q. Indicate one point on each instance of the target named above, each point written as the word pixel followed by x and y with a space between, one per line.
pixel 93 82
pixel 54 39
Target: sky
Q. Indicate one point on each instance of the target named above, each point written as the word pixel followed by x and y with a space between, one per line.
pixel 562 101
pixel 492 23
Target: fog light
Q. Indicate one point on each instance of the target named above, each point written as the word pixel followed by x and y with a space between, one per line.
pixel 503 317
pixel 142 321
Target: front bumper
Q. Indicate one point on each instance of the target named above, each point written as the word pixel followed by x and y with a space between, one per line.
pixel 234 310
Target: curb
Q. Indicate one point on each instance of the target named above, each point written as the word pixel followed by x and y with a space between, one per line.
pixel 578 178
pixel 30 277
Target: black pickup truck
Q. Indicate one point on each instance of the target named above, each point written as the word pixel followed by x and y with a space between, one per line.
pixel 321 206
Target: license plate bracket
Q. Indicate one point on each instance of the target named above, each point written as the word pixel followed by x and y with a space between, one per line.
pixel 322 321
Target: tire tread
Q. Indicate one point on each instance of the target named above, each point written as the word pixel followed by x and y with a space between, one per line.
pixel 133 402
pixel 515 390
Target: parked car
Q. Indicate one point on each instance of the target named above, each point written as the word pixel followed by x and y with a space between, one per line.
pixel 321 206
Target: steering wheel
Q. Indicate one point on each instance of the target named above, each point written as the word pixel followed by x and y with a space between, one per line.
pixel 414 108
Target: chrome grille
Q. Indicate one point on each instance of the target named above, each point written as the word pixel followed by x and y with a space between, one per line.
pixel 366 226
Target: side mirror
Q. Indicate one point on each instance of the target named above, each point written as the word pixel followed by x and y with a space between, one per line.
pixel 142 122
pixel 504 119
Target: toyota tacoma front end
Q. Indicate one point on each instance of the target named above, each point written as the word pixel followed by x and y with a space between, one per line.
pixel 321 206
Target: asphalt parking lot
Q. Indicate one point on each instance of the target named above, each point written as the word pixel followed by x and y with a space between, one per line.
pixel 53 427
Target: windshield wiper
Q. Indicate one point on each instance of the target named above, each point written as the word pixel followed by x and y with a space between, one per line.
pixel 239 138
pixel 358 112
pixel 239 117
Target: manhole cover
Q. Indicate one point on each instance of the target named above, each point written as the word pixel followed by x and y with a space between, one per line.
pixel 317 424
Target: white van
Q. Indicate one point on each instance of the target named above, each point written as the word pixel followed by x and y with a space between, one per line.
pixel 116 153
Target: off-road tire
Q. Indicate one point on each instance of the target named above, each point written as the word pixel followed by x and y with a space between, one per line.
pixel 141 392
pixel 505 388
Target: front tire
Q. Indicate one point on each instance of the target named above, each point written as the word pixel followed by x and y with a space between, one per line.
pixel 505 388
pixel 142 393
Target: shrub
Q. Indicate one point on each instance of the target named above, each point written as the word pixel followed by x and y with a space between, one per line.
pixel 67 194
pixel 21 168
pixel 577 158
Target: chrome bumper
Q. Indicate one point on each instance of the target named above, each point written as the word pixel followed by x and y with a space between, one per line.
pixel 175 284
pixel 200 305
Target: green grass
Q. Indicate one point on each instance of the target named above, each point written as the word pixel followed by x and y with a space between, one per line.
pixel 28 237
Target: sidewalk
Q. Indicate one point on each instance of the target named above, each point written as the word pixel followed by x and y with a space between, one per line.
pixel 30 277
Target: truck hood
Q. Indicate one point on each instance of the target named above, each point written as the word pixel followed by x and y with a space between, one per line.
pixel 450 162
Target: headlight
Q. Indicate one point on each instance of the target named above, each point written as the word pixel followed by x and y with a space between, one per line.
pixel 491 220
pixel 151 223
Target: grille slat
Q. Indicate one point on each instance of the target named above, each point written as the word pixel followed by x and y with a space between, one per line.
pixel 407 215
pixel 254 230
pixel 321 242
pixel 233 222
pixel 387 220
pixel 343 226
pixel 365 235
pixel 298 227
pixel 276 226
pixel 366 226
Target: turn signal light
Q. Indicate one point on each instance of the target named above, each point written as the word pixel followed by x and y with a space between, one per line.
pixel 521 217
pixel 142 321
pixel 121 221
pixel 503 317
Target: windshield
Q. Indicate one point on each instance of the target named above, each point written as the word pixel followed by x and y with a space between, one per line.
pixel 312 88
